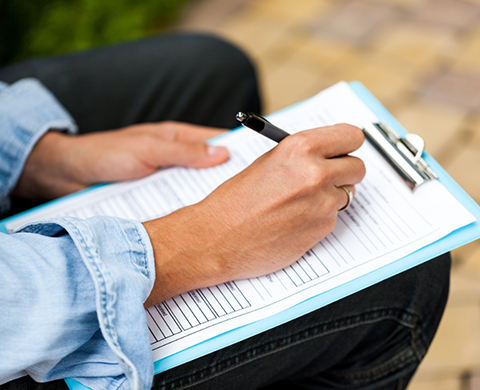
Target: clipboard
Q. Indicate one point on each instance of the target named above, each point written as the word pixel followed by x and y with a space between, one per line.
pixel 451 241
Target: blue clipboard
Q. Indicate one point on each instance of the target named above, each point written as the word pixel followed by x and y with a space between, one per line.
pixel 455 239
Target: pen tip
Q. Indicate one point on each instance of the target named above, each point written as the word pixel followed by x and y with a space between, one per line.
pixel 241 116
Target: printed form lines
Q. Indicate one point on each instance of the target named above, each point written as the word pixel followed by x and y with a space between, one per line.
pixel 194 308
pixel 309 267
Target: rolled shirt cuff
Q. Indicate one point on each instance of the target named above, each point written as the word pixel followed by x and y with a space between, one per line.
pixel 119 258
pixel 27 111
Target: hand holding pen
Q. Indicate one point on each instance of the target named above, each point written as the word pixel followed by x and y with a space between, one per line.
pixel 267 129
pixel 264 218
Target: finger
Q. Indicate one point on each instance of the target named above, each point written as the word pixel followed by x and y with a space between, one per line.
pixel 346 193
pixel 334 141
pixel 184 132
pixel 189 154
pixel 346 170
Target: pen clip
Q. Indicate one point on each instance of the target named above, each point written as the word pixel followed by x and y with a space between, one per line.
pixel 403 154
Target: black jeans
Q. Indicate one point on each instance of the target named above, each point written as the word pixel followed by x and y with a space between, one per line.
pixel 373 339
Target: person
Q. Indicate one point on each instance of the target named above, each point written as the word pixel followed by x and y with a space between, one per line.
pixel 74 291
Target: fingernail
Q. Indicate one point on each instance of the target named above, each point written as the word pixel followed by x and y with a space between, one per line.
pixel 215 150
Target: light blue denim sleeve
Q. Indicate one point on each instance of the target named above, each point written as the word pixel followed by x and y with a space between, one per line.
pixel 72 302
pixel 27 111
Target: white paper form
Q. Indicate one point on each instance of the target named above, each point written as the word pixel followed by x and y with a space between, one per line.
pixel 385 222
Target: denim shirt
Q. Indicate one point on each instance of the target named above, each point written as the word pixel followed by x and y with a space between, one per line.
pixel 72 290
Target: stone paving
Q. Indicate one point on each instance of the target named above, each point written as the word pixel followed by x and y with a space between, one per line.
pixel 421 59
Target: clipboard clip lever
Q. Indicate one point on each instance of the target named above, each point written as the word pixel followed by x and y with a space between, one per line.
pixel 403 154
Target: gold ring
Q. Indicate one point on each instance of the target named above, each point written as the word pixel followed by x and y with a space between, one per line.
pixel 350 197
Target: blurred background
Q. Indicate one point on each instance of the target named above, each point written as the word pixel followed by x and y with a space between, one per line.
pixel 420 58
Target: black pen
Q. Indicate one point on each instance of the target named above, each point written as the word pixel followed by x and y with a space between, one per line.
pixel 261 125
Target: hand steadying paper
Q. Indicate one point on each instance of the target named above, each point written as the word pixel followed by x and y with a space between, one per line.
pixel 60 164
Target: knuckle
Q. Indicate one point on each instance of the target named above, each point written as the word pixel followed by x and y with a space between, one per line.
pixel 315 176
pixel 357 167
pixel 300 143
pixel 145 137
pixel 171 130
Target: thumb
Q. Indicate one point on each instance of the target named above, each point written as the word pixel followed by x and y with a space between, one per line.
pixel 193 155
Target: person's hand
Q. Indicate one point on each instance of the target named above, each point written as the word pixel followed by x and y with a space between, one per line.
pixel 60 164
pixel 261 220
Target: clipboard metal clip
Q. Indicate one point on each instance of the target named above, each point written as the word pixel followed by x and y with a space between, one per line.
pixel 403 154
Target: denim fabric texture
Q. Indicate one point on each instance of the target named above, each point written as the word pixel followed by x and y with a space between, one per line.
pixel 27 112
pixel 72 302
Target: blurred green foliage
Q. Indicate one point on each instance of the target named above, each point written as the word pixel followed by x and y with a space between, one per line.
pixel 31 28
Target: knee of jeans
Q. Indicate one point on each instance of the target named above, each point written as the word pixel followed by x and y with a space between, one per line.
pixel 387 356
